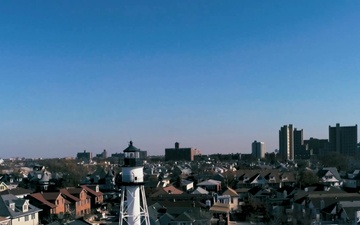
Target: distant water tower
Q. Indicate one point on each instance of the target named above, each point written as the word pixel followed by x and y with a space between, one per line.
pixel 133 207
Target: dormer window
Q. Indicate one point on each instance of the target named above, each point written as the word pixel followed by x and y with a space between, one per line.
pixel 25 208
pixel 12 206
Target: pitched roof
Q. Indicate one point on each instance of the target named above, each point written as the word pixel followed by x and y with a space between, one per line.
pixel 220 208
pixel 186 182
pixel 6 211
pixel 91 191
pixel 209 182
pixel 75 190
pixel 69 196
pixel 51 196
pixel 166 218
pixel 231 192
pixel 167 191
pixel 184 217
pixel 330 209
pixel 200 190
pixel 39 197
pixel 17 191
pixel 330 198
pixel 173 190
pixel 333 170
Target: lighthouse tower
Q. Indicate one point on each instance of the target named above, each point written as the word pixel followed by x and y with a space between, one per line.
pixel 133 207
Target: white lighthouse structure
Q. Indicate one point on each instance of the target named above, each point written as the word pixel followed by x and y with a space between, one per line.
pixel 133 207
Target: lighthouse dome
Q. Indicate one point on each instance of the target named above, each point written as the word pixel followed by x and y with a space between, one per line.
pixel 131 148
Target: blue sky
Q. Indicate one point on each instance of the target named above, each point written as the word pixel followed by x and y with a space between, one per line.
pixel 213 75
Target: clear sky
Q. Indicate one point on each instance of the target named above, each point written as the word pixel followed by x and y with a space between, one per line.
pixel 213 75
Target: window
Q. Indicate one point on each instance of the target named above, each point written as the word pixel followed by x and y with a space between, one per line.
pixel 33 216
pixel 12 206
pixel 26 218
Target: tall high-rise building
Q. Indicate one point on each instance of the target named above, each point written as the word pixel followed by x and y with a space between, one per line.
pixel 343 140
pixel 298 140
pixel 84 156
pixel 286 142
pixel 258 149
pixel 300 149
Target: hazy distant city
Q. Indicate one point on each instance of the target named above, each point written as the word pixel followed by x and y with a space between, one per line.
pixel 314 181
pixel 179 113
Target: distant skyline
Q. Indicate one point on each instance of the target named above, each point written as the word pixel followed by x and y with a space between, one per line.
pixel 215 76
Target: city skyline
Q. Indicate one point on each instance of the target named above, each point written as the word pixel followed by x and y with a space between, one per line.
pixel 209 75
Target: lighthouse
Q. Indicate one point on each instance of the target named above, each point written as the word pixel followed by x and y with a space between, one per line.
pixel 133 207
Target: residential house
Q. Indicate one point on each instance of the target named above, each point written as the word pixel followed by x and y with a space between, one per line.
pixel 19 211
pixel 178 213
pixel 269 177
pixel 39 178
pixel 312 201
pixel 330 176
pixel 260 194
pixel 11 180
pixel 163 191
pixel 18 192
pixel 351 211
pixel 187 185
pixel 52 203
pixel 232 198
pixel 221 213
pixel 341 212
pixel 3 186
pixel 352 180
pixel 79 201
pixel 97 197
pixel 254 180
pixel 210 185
pixel 104 178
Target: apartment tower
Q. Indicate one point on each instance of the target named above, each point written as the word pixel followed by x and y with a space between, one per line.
pixel 343 140
pixel 286 142
pixel 258 149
